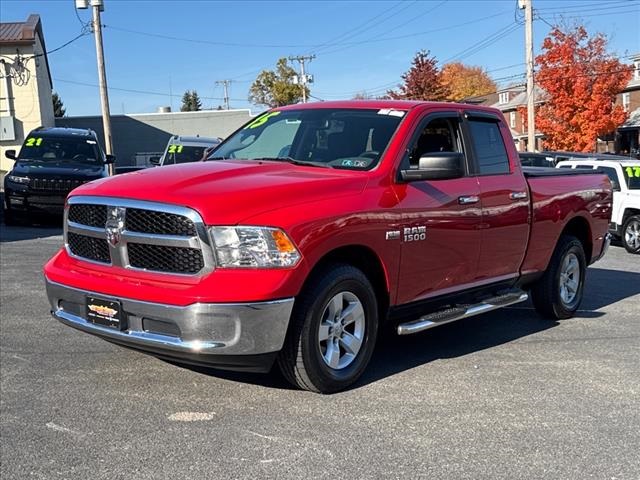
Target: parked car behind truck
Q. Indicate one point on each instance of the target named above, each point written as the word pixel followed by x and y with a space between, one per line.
pixel 313 226
pixel 51 163
pixel 182 149
pixel 625 181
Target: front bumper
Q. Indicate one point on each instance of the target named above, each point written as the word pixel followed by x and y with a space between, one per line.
pixel 238 336
pixel 25 201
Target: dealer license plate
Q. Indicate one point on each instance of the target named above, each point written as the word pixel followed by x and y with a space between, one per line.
pixel 104 312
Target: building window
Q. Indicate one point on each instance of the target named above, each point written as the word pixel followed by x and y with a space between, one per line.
pixel 626 101
pixel 636 70
pixel 504 98
pixel 512 119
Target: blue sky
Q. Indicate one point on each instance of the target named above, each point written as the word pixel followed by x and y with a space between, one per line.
pixel 359 46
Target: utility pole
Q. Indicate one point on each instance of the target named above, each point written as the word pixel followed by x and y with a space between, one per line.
pixel 531 118
pixel 225 85
pixel 97 6
pixel 304 79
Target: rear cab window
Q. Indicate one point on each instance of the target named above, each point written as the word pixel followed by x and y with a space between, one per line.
pixel 490 151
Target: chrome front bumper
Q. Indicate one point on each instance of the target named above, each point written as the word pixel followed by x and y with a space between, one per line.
pixel 201 333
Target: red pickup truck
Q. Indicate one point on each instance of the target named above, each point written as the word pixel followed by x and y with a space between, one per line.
pixel 313 226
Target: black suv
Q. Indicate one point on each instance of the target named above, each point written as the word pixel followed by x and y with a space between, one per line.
pixel 51 163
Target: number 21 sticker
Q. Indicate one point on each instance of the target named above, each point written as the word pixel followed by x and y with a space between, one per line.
pixel 33 142
pixel 175 149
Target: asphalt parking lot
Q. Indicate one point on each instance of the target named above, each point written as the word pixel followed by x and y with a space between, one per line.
pixel 504 395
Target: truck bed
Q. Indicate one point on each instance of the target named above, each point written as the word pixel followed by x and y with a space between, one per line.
pixel 532 172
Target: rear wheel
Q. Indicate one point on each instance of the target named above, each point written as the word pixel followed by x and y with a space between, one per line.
pixel 333 331
pixel 631 234
pixel 558 293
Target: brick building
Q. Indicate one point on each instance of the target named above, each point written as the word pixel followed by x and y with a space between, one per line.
pixel 628 134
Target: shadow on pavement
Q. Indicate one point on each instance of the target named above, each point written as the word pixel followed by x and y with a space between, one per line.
pixel 39 226
pixel 396 354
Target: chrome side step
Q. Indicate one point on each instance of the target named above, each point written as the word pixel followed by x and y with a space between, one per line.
pixel 458 313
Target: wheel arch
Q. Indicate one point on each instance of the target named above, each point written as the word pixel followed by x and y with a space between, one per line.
pixel 579 227
pixel 629 212
pixel 364 259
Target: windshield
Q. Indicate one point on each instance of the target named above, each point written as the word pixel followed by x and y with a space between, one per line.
pixel 60 149
pixel 339 138
pixel 632 176
pixel 183 154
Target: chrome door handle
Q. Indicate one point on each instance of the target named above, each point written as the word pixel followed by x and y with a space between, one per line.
pixel 468 199
pixel 518 195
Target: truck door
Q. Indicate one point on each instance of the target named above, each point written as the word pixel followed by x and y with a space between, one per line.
pixel 505 199
pixel 440 219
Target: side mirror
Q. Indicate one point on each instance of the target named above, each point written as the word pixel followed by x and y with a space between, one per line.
pixel 154 160
pixel 436 166
pixel 110 159
pixel 10 154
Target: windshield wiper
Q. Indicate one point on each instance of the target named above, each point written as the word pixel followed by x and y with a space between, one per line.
pixel 295 162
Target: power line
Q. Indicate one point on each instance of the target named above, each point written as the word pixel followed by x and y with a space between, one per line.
pixel 375 24
pixel 351 30
pixel 414 34
pixel 142 92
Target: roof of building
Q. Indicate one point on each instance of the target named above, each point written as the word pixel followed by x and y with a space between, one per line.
pixel 633 121
pixel 520 99
pixel 24 34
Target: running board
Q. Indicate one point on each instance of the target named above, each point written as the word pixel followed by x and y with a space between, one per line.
pixel 458 313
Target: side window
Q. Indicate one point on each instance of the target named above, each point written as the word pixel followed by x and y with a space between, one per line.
pixel 439 135
pixel 613 176
pixel 490 151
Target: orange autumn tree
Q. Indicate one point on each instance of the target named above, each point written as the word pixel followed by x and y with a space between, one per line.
pixel 581 80
pixel 464 81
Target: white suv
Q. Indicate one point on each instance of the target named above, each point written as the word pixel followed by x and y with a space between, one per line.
pixel 625 181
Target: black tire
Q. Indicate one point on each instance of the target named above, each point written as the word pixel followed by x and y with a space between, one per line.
pixel 547 293
pixel 302 360
pixel 633 224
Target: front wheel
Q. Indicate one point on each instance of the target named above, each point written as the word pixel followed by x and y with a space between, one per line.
pixel 333 331
pixel 558 293
pixel 631 234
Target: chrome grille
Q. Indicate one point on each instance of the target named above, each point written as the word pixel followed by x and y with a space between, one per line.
pixel 138 235
pixel 163 223
pixel 91 215
pixel 165 259
pixel 96 249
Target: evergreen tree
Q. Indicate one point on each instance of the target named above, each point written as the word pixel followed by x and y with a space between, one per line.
pixel 58 106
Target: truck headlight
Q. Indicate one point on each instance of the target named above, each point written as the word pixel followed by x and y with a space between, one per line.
pixel 16 179
pixel 253 247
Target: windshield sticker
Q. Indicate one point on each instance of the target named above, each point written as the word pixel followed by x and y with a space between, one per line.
pixel 392 112
pixel 91 142
pixel 261 120
pixel 354 163
pixel 633 172
pixel 33 142
pixel 175 148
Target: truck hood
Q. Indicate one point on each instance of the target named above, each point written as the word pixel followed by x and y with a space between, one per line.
pixel 226 192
